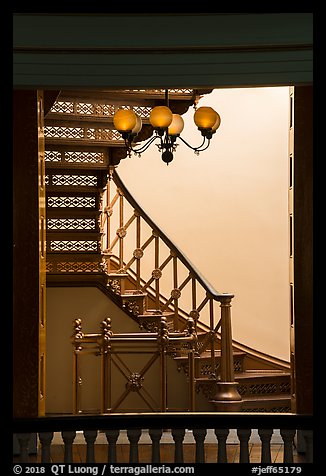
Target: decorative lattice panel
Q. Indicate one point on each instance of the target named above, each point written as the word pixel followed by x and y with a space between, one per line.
pixel 52 156
pixel 74 157
pixel 268 388
pixel 103 134
pixel 71 246
pixel 84 157
pixel 71 202
pixel 71 224
pixel 63 107
pixel 74 180
pixel 262 409
pixel 61 132
pixel 78 267
pixel 89 109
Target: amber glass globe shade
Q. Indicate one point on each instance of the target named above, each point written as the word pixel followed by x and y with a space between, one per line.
pixel 205 117
pixel 138 125
pixel 160 117
pixel 176 126
pixel 124 120
pixel 217 123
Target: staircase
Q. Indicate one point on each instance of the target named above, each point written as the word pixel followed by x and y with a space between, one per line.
pixel 93 224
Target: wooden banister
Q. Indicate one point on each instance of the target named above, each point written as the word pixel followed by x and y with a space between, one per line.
pixel 198 422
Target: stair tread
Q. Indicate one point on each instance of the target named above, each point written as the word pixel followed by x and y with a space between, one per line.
pixel 267 398
pixel 133 294
pixel 261 373
pixel 148 313
pixel 117 275
pixel 207 355
pixel 71 189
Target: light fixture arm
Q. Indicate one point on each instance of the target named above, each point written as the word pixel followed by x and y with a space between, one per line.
pixel 199 148
pixel 141 149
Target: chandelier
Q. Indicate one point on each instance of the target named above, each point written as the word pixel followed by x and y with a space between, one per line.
pixel 167 127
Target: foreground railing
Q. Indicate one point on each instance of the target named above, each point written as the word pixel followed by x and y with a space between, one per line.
pixel 198 422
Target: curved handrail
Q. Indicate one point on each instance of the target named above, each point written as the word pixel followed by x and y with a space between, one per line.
pixel 216 295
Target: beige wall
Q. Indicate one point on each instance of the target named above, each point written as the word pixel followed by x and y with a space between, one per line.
pixel 227 208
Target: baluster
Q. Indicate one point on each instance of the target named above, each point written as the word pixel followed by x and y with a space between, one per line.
pixel 308 436
pixel 265 436
pixel 90 437
pixel 175 286
pixel 45 439
pixel 23 440
pixel 191 362
pixel 200 435
pixel 133 437
pixel 112 437
pixel 211 325
pixel 156 435
pixel 108 211
pixel 68 439
pixel 178 436
pixel 137 248
pixel 244 435
pixel 221 436
pixel 121 231
pixel 156 268
pixel 162 341
pixel 194 297
pixel 288 436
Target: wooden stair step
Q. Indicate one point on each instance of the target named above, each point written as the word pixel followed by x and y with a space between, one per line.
pixel 71 189
pixel 76 278
pixel 133 294
pixel 207 355
pixel 150 318
pixel 262 374
pixel 71 212
pixel 73 235
pixel 267 403
pixel 117 275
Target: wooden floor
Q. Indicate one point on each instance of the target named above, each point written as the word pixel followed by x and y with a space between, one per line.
pixel 167 453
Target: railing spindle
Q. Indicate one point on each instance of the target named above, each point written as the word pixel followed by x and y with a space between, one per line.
pixel 137 248
pixel 45 439
pixel 211 325
pixel 221 435
pixel 112 437
pixel 200 435
pixel 178 435
pixel 175 286
pixel 90 437
pixel 244 435
pixel 288 436
pixel 163 340
pixel 133 437
pixel 156 435
pixel 265 436
pixel 156 269
pixel 121 231
pixel 68 440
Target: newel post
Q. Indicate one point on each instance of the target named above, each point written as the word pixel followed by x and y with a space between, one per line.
pixel 227 397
